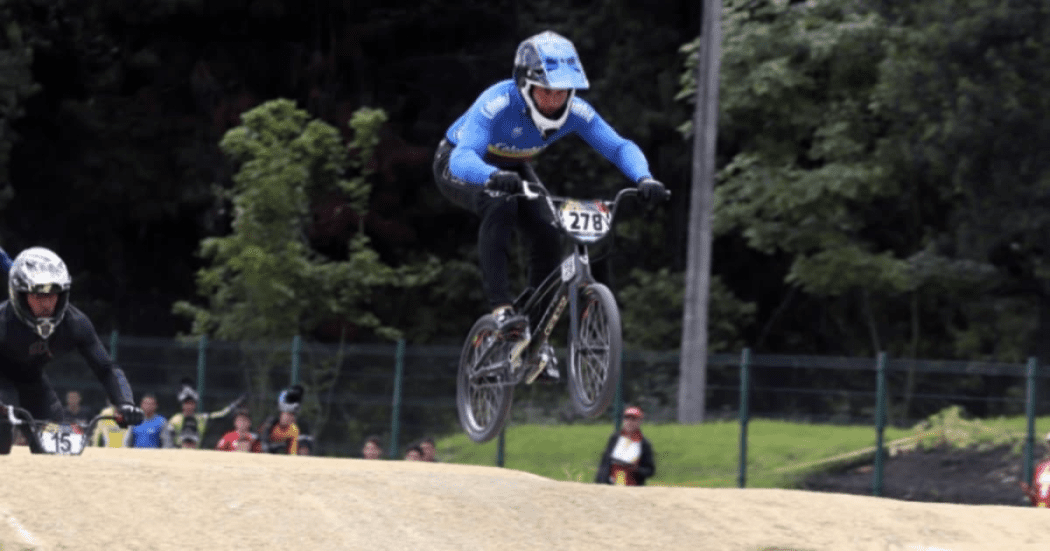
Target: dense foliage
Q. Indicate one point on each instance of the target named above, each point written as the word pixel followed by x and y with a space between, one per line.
pixel 881 186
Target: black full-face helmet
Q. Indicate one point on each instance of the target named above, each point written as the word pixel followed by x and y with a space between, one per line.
pixel 548 60
pixel 38 270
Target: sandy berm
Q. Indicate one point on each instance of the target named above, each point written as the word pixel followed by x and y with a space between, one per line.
pixel 127 500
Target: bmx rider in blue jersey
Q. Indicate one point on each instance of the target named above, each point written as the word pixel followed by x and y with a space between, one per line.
pixel 487 152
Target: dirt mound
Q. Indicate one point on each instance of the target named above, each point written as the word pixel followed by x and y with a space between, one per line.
pixel 941 475
pixel 202 500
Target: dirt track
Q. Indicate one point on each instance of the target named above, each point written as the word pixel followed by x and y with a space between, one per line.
pixel 201 500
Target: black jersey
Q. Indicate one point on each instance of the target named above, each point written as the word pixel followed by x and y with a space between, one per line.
pixel 24 354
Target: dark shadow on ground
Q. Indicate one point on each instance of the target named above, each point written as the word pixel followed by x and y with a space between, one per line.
pixel 942 475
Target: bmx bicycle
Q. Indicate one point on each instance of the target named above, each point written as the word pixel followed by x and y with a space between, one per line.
pixel 491 364
pixel 50 437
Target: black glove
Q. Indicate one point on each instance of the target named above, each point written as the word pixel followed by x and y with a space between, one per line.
pixel 651 191
pixel 129 414
pixel 506 181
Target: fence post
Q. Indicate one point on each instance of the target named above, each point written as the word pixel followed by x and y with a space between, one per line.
pixel 745 414
pixel 618 399
pixel 202 358
pixel 501 446
pixel 113 345
pixel 395 413
pixel 880 421
pixel 297 346
pixel 1029 444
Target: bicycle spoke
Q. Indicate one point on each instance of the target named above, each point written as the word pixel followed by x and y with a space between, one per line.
pixel 483 397
pixel 594 350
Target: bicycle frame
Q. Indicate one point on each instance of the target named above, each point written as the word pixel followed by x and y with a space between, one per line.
pixel 561 287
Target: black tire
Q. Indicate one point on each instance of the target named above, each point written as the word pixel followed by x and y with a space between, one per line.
pixel 483 400
pixel 594 354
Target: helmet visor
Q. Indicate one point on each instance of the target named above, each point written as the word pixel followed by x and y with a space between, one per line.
pixel 561 65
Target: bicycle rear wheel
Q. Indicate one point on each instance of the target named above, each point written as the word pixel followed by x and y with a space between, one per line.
pixel 484 390
pixel 594 353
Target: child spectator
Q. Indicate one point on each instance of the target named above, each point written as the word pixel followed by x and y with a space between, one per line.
pixel 241 438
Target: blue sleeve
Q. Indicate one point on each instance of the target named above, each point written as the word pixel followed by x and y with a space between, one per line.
pixel 466 161
pixel 622 152
pixel 5 261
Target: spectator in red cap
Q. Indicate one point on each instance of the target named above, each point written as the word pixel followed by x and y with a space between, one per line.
pixel 1038 492
pixel 628 458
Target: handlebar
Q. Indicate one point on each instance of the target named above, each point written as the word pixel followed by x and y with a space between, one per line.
pixel 541 191
pixel 21 416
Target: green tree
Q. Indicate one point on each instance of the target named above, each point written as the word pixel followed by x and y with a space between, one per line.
pixel 16 85
pixel 265 282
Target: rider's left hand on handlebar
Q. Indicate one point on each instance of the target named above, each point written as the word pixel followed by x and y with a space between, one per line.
pixel 506 181
pixel 651 191
pixel 128 414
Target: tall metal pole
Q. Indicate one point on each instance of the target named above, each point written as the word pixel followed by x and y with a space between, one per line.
pixel 880 422
pixel 297 346
pixel 395 408
pixel 1029 439
pixel 745 414
pixel 692 383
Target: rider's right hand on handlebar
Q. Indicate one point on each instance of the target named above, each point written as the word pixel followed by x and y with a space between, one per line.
pixel 129 414
pixel 506 181
pixel 651 191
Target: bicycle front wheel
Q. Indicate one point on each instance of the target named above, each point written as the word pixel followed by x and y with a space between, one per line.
pixel 484 390
pixel 594 352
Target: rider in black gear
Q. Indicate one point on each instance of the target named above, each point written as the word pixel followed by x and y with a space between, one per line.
pixel 37 324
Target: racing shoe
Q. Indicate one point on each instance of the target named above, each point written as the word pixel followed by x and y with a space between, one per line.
pixel 549 360
pixel 508 321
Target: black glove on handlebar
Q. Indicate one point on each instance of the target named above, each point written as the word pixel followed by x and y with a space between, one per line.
pixel 651 191
pixel 128 415
pixel 506 181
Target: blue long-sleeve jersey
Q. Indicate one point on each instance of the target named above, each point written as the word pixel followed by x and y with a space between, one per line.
pixel 5 261
pixel 497 131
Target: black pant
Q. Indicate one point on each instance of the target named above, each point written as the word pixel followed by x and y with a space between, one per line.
pixel 38 398
pixel 500 214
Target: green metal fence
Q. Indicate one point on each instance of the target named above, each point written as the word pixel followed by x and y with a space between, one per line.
pixel 401 392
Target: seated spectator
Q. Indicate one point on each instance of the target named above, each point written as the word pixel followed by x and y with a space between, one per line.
pixel 189 440
pixel 306 444
pixel 428 449
pixel 372 448
pixel 74 410
pixel 628 457
pixel 414 453
pixel 241 438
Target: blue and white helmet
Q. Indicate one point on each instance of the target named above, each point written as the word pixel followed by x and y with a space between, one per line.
pixel 39 270
pixel 548 60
